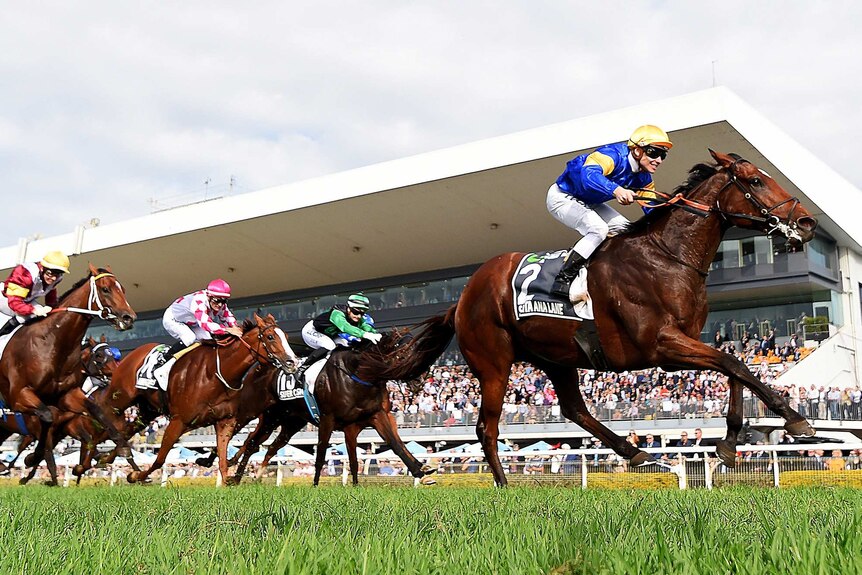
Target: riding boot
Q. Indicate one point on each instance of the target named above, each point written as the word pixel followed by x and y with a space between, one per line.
pixel 315 356
pixel 563 282
pixel 10 326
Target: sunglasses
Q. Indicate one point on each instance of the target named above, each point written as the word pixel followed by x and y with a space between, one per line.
pixel 655 152
pixel 218 300
pixel 356 311
pixel 50 272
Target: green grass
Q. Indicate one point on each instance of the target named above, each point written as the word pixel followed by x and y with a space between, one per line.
pixel 262 529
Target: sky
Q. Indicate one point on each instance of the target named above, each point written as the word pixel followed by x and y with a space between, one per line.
pixel 110 110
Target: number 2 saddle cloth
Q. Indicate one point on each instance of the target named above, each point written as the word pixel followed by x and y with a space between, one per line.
pixel 531 286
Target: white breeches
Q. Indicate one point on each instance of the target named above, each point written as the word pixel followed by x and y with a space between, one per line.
pixel 314 339
pixel 188 334
pixel 592 221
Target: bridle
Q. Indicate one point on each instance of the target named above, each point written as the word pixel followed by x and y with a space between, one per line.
pixel 102 311
pixel 94 367
pixel 268 356
pixel 768 220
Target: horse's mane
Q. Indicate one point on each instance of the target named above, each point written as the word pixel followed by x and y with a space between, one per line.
pixel 696 176
pixel 248 324
pixel 81 282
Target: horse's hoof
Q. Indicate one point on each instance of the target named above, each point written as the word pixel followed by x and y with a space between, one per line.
pixel 23 481
pixel 133 476
pixel 124 451
pixel 204 461
pixel 231 481
pixel 427 480
pixel 800 428
pixel 3 468
pixel 50 483
pixel 428 470
pixel 78 470
pixel 726 453
pixel 31 460
pixel 641 459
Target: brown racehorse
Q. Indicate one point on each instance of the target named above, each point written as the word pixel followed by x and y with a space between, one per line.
pixel 205 385
pixel 72 420
pixel 42 359
pixel 648 287
pixel 350 396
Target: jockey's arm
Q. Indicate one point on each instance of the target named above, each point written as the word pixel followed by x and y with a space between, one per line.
pixel 595 172
pixel 338 319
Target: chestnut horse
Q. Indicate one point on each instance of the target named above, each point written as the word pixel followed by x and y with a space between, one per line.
pixel 42 359
pixel 351 395
pixel 648 287
pixel 99 362
pixel 205 386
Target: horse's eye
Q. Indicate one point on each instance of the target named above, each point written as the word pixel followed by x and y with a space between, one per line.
pixel 756 182
pixel 105 290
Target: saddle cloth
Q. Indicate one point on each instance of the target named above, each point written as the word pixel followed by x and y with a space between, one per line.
pixel 286 386
pixel 532 283
pixel 144 378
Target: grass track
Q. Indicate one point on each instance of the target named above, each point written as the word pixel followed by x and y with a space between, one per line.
pixel 331 530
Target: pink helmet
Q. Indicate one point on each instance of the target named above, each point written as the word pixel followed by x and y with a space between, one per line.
pixel 218 288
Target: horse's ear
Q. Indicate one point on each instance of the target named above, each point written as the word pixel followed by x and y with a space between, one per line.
pixel 93 270
pixel 270 318
pixel 723 159
pixel 258 320
pixel 103 339
pixel 92 342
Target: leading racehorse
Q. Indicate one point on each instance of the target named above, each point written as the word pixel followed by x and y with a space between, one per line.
pixel 42 359
pixel 648 287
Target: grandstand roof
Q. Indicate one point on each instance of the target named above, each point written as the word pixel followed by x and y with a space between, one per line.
pixel 447 208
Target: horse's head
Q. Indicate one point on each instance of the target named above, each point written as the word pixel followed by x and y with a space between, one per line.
pixel 108 297
pixel 752 199
pixel 268 342
pixel 99 359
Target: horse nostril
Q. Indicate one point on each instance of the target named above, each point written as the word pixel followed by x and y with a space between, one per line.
pixel 807 223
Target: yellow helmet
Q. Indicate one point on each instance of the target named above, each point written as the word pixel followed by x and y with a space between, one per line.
pixel 56 261
pixel 649 135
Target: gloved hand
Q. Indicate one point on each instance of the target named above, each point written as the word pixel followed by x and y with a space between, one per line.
pixel 41 310
pixel 372 337
pixel 234 330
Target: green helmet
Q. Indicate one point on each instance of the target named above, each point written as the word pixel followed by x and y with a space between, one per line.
pixel 359 301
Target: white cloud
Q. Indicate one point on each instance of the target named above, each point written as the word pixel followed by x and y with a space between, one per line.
pixel 111 105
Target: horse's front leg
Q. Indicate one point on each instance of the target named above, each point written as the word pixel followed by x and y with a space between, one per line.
pixel 224 431
pixel 725 449
pixel 175 428
pixel 677 349
pixel 110 426
pixel 351 434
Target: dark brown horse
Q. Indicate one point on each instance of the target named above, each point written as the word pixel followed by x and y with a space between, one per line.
pixel 205 385
pixel 351 396
pixel 42 359
pixel 648 287
pixel 98 364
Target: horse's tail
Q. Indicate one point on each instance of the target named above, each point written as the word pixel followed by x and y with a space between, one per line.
pixel 413 359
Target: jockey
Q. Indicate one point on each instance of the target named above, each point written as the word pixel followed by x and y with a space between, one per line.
pixel 615 171
pixel 25 284
pixel 342 325
pixel 194 317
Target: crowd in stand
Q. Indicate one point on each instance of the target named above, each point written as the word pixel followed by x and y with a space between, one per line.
pixel 451 396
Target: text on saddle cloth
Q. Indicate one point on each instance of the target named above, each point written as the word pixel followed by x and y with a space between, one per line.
pixel 532 282
pixel 286 387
